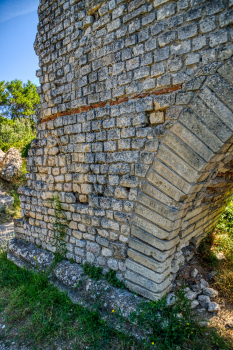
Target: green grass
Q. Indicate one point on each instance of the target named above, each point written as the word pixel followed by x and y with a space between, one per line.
pixel 221 240
pixel 41 315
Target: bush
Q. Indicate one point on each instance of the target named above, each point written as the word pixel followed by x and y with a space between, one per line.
pixel 226 220
pixel 221 241
pixel 18 134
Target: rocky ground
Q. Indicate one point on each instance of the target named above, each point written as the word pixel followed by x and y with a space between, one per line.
pixel 211 306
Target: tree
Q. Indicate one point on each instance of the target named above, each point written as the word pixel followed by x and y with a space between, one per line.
pixel 18 100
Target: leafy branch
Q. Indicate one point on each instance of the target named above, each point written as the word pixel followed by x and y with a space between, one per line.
pixel 59 228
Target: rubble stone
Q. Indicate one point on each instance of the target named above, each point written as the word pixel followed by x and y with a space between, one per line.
pixel 204 300
pixel 212 293
pixel 194 273
pixel 213 307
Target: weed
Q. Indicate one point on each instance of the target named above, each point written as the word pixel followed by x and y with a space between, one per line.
pixel 58 257
pixel 97 272
pixel 110 276
pixel 78 284
pixel 92 271
pixel 221 240
pixel 59 229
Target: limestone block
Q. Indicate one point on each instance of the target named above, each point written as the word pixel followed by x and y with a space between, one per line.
pixel 146 272
pixel 148 262
pixel 146 283
pixel 146 234
pixel 226 71
pixel 157 118
pixel 182 150
pixel 182 168
pixel 28 251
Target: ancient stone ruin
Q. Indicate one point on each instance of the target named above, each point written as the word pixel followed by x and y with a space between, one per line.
pixel 135 132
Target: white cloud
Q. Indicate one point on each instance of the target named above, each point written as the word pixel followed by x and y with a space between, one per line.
pixel 13 8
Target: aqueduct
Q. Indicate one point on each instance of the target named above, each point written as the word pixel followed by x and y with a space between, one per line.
pixel 135 132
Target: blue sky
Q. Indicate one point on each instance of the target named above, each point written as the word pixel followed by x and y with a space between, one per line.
pixel 18 27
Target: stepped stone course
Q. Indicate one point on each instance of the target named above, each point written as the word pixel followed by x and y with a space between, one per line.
pixel 135 132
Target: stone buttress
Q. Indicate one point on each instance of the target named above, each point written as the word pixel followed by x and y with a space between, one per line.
pixel 135 132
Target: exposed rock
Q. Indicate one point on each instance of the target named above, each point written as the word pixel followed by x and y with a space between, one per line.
pixel 213 307
pixel 220 256
pixel 194 304
pixel 197 288
pixel 171 299
pixel 27 254
pixel 69 274
pixel 11 165
pixel 204 300
pixel 201 310
pixel 191 295
pixel 212 293
pixel 194 273
pixel 5 200
pixel 204 284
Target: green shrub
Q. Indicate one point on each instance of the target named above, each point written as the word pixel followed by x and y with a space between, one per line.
pixel 18 134
pixel 226 221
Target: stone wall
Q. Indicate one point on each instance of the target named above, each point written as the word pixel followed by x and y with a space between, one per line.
pixel 135 132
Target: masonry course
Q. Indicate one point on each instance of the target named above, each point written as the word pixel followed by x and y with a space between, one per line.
pixel 134 132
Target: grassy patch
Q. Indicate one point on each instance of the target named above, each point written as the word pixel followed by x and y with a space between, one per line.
pixel 8 215
pixel 41 315
pixel 221 241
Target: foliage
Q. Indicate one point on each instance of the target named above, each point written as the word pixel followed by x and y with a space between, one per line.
pixel 59 229
pixel 226 221
pixel 18 134
pixel 18 100
pixel 92 271
pixel 38 313
pixel 3 94
pixel 25 149
pixel 110 276
pixel 11 189
pixel 97 272
pixel 221 241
